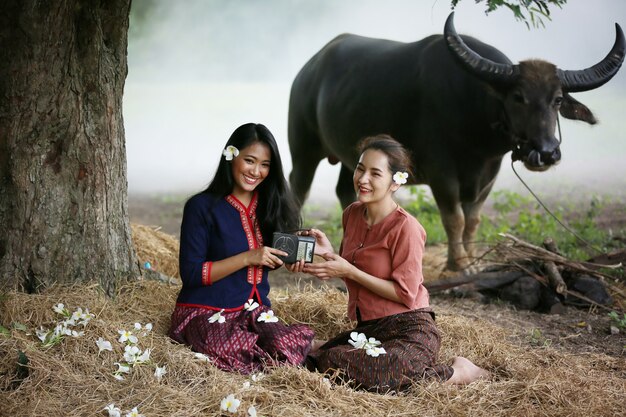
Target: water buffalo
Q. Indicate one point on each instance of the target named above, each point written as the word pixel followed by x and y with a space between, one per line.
pixel 457 103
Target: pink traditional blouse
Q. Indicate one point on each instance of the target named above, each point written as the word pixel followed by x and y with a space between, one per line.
pixel 391 250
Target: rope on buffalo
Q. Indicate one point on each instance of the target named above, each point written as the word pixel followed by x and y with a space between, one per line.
pixel 547 209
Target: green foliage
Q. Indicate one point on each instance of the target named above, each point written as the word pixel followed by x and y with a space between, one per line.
pixel 537 9
pixel 538 339
pixel 620 322
pixel 330 223
pixel 524 218
pixel 424 208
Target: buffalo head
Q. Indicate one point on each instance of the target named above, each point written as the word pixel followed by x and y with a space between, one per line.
pixel 533 93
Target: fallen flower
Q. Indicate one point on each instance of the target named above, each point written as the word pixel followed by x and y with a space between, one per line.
pixel 159 372
pixel 202 357
pixel 134 413
pixel 127 336
pixel 230 403
pixel 113 410
pixel 103 345
pixel 375 351
pixel 268 317
pixel 251 305
pixel 217 317
pixel 358 340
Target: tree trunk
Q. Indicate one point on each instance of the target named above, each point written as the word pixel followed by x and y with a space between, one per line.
pixel 63 187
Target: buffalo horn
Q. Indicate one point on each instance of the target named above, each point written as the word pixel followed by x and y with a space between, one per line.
pixel 483 68
pixel 603 71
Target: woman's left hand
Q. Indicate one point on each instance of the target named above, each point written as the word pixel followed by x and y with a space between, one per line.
pixel 335 266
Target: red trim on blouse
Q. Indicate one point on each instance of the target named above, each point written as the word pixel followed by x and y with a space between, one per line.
pixel 228 310
pixel 252 231
pixel 206 273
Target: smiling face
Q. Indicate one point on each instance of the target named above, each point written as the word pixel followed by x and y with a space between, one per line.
pixel 250 168
pixel 372 179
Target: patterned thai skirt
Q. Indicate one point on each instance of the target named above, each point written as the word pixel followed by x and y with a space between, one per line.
pixel 411 341
pixel 241 343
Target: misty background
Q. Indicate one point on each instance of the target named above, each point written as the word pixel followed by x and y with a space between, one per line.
pixel 198 69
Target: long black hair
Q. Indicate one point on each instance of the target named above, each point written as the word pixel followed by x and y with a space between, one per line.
pixel 277 210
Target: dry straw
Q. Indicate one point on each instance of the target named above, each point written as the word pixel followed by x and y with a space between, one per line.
pixel 73 379
pixel 156 247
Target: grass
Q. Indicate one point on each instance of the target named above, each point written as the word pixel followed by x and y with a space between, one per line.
pixel 523 217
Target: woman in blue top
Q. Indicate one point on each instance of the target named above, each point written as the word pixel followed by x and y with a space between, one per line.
pixel 223 310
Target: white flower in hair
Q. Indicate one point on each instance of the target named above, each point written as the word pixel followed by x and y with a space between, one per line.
pixel 400 177
pixel 230 152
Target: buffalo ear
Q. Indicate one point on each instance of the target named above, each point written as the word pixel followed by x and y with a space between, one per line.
pixel 575 110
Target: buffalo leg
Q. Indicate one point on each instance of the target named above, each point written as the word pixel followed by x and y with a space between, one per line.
pixel 453 221
pixel 472 221
pixel 471 211
pixel 345 187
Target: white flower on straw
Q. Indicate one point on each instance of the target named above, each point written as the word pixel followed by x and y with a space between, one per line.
pixel 246 384
pixel 202 357
pixel 251 305
pixel 267 317
pixel 126 335
pixel 103 345
pixel 80 316
pixel 230 403
pixel 257 377
pixel 144 357
pixel 113 410
pixel 60 308
pixel 137 326
pixel 159 372
pixel 400 177
pixel 77 334
pixel 230 152
pixel 252 412
pixel 122 368
pixel 358 340
pixel 131 353
pixel 134 413
pixel 217 317
pixel 42 334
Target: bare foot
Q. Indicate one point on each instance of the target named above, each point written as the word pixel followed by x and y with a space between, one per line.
pixel 466 372
pixel 315 345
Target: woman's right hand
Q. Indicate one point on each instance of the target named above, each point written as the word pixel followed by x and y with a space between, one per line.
pixel 264 256
pixel 322 244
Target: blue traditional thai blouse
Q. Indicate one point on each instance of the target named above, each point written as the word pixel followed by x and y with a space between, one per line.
pixel 215 228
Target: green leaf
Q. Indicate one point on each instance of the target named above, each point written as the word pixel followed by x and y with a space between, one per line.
pixel 19 326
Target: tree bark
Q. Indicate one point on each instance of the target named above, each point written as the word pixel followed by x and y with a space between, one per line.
pixel 63 187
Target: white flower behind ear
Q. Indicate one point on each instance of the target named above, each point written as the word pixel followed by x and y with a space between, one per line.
pixel 400 177
pixel 230 152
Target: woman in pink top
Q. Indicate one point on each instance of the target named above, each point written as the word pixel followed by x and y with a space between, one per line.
pixel 396 341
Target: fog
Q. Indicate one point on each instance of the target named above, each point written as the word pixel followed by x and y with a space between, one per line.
pixel 199 69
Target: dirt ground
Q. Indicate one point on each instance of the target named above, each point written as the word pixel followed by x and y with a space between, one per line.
pixel 577 331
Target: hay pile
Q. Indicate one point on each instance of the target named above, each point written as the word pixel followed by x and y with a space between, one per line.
pixel 156 247
pixel 71 378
